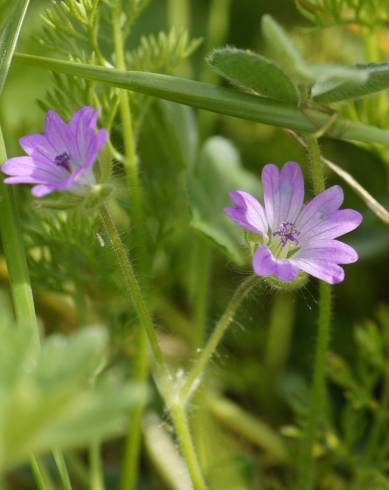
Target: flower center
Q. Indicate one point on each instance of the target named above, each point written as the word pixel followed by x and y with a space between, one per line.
pixel 63 160
pixel 287 232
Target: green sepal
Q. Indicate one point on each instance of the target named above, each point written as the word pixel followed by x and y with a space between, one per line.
pixel 300 281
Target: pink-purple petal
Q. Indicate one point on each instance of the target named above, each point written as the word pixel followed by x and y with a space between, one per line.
pixel 56 132
pixel 318 210
pixel 248 213
pixel 62 158
pixel 264 264
pixel 329 251
pixel 283 193
pixel 42 190
pixel 27 167
pixel 321 269
pixel 335 225
pixel 38 143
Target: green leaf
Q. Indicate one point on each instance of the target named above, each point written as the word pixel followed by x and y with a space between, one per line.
pixel 283 47
pixel 11 20
pixel 219 171
pixel 47 401
pixel 254 73
pixel 372 479
pixel 177 128
pixel 296 66
pixel 368 79
pixel 215 99
pixel 12 15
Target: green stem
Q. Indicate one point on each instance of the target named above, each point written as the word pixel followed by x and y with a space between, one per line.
pixel 96 469
pixel 164 382
pixel 132 451
pixel 39 474
pixel 133 442
pixel 217 30
pixel 62 469
pixel 318 393
pixel 193 378
pixel 134 290
pixel 180 421
pixel 131 159
pixel 13 244
pixel 179 13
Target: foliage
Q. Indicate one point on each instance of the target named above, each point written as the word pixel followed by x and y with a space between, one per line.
pixel 248 418
pixel 47 401
pixel 329 13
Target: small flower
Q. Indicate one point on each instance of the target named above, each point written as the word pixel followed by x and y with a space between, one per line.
pixel 62 158
pixel 294 237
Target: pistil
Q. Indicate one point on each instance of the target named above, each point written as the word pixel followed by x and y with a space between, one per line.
pixel 63 160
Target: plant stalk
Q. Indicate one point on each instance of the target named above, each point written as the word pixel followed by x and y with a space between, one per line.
pixel 96 470
pixel 180 421
pixel 194 376
pixel 163 378
pixel 62 469
pixel 133 443
pixel 306 476
pixel 13 243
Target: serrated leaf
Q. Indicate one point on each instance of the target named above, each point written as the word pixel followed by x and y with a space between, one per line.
pixel 368 79
pixel 219 171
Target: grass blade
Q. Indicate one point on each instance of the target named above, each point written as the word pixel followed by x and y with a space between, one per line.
pixel 215 99
pixel 11 24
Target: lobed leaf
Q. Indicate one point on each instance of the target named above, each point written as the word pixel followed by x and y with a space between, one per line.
pixel 47 401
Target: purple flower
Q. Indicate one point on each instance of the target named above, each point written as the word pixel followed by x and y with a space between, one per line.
pixel 294 237
pixel 62 158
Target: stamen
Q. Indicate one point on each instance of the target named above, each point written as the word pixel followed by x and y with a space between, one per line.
pixel 287 231
pixel 63 160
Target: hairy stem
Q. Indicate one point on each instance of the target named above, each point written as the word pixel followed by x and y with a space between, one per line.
pixel 133 289
pixel 180 421
pixel 191 382
pixel 133 442
pixel 318 393
pixel 164 381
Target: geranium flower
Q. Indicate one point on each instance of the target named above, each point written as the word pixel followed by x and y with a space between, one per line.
pixel 294 237
pixel 62 158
